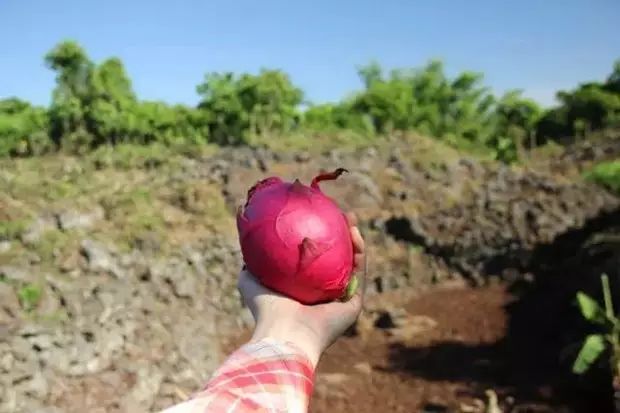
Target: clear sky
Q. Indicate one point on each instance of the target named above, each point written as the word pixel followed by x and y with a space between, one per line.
pixel 167 46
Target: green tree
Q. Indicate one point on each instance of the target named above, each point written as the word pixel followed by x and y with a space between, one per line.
pixel 70 99
pixel 515 125
pixel 111 102
pixel 588 107
pixel 23 128
pixel 151 122
pixel 426 100
pixel 238 106
pixel 613 81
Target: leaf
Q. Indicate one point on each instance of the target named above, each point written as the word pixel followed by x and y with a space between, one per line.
pixel 590 309
pixel 592 348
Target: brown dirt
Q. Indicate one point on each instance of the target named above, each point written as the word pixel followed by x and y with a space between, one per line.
pixel 425 370
pixel 445 367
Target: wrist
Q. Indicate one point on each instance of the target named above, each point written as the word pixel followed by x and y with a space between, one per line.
pixel 294 334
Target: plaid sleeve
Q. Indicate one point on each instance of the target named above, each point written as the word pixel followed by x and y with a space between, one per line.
pixel 266 376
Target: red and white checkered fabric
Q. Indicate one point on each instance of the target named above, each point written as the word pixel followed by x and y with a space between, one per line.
pixel 265 376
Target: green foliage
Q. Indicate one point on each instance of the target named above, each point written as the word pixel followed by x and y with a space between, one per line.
pixel 136 213
pixel 11 229
pixel 157 122
pixel 238 106
pixel 51 243
pixel 68 111
pixel 23 128
pixel 460 110
pixel 111 102
pixel 332 118
pixel 595 345
pixel 29 296
pixel 426 100
pixel 93 105
pixel 129 156
pixel 606 174
pixel 516 119
pixel 589 107
pixel 590 309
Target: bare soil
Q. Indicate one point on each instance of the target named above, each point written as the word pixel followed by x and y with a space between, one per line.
pixel 453 355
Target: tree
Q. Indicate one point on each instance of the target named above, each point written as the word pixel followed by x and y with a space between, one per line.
pixel 23 128
pixel 68 111
pixel 588 107
pixel 426 100
pixel 246 104
pixel 592 104
pixel 613 81
pixel 111 100
pixel 515 121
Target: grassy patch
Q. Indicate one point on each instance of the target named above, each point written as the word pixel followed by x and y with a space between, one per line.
pixel 44 180
pixel 153 156
pixel 10 230
pixel 606 174
pixel 129 156
pixel 314 142
pixel 29 296
pixel 427 153
pixel 132 214
pixel 202 199
pixel 54 243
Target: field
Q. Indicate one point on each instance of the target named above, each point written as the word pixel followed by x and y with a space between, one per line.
pixel 106 258
pixel 490 222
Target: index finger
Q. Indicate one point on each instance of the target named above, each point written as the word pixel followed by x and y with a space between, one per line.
pixel 351 218
pixel 358 241
pixel 360 262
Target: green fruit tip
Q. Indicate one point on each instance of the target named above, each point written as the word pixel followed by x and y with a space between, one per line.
pixel 351 288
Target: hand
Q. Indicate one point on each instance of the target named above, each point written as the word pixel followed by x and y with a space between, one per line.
pixel 313 328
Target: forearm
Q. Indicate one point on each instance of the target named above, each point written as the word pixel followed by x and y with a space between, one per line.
pixel 265 375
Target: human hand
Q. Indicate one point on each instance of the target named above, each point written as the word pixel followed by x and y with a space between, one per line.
pixel 312 328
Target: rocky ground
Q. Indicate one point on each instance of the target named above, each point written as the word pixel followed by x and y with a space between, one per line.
pixel 117 277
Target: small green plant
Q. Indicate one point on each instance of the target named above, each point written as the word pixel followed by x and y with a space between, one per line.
pixel 606 174
pixel 11 229
pixel 29 296
pixel 595 344
pixel 608 340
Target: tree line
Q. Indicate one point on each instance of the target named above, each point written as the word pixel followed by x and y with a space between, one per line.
pixel 93 104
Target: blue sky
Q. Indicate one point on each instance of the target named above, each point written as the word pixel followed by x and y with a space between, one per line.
pixel 167 46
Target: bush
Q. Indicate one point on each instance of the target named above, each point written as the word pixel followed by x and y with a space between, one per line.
pixel 94 105
pixel 23 128
pixel 29 296
pixel 238 106
pixel 606 174
pixel 11 229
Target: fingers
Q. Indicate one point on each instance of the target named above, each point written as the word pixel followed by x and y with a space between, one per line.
pixel 351 218
pixel 336 317
pixel 361 274
pixel 359 258
pixel 363 278
pixel 358 241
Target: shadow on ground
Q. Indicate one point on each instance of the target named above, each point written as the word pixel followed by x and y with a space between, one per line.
pixel 544 330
